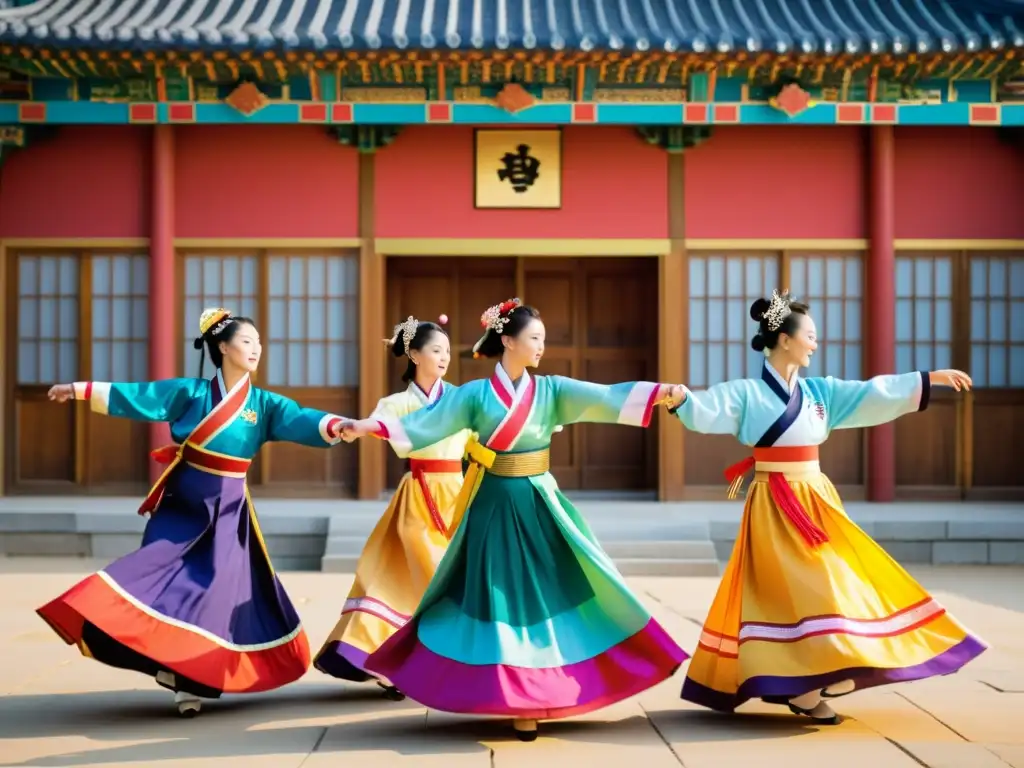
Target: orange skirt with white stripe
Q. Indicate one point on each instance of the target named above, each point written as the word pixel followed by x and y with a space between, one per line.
pixel 792 616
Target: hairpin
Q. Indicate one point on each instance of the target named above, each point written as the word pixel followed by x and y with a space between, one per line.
pixel 778 310
pixel 494 318
pixel 407 331
pixel 214 316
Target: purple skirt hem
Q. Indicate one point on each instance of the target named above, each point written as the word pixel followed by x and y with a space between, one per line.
pixel 344 661
pixel 772 687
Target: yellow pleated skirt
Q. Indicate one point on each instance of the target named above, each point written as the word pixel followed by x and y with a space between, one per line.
pixel 393 572
pixel 790 618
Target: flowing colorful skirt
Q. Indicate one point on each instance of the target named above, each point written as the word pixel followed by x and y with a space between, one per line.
pixel 527 616
pixel 789 618
pixel 396 565
pixel 198 599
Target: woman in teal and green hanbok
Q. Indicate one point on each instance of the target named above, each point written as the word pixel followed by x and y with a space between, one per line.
pixel 526 616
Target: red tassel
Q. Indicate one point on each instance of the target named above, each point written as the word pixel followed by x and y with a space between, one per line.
pixel 165 454
pixel 791 507
pixel 739 469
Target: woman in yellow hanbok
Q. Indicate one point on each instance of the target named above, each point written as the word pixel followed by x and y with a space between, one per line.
pixel 403 551
pixel 810 607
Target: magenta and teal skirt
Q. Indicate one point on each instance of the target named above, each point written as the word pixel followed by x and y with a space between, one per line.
pixel 199 598
pixel 526 616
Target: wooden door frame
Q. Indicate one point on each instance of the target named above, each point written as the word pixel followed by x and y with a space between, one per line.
pixel 557 248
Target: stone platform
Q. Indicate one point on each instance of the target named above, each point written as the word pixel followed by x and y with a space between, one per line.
pixel 643 537
pixel 62 710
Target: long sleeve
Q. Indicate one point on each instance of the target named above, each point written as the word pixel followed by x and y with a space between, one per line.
pixel 386 411
pixel 164 400
pixel 289 422
pixel 852 404
pixel 717 410
pixel 443 418
pixel 630 403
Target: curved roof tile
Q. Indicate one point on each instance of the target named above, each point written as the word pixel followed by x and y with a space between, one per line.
pixel 825 26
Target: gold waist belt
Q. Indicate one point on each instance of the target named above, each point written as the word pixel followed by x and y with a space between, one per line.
pixel 521 464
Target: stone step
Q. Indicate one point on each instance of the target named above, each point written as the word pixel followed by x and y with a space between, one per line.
pixel 645 566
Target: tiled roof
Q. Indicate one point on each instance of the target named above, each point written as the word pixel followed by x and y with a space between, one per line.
pixel 826 26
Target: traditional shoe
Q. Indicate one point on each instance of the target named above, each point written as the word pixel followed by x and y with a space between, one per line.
pixel 842 688
pixel 821 714
pixel 391 693
pixel 526 730
pixel 188 705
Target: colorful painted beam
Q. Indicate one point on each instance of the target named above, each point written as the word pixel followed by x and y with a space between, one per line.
pixel 692 113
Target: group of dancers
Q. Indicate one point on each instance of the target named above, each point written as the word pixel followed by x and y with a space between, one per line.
pixel 486 593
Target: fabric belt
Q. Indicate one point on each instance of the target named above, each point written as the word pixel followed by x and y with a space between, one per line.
pixel 194 456
pixel 420 468
pixel 521 464
pixel 773 465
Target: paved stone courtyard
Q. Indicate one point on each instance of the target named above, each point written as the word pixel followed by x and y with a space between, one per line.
pixel 59 709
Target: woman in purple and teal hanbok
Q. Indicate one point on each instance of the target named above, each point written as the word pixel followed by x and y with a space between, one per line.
pixel 198 605
pixel 527 616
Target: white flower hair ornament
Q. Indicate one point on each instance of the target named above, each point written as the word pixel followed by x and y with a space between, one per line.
pixel 494 319
pixel 778 310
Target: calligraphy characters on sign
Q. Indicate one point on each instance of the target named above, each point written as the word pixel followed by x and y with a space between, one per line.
pixel 520 169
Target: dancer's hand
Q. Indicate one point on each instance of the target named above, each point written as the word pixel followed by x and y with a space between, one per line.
pixel 353 430
pixel 61 393
pixel 950 377
pixel 671 395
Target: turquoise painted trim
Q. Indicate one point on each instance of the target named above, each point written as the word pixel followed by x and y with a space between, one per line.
pixel 1013 115
pixel 486 113
pixel 568 638
pixel 222 113
pixel 640 114
pixel 100 113
pixel 765 114
pixel 389 114
pixel 949 113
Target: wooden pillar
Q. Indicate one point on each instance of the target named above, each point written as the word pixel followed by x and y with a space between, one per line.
pixel 163 333
pixel 372 306
pixel 881 302
pixel 672 322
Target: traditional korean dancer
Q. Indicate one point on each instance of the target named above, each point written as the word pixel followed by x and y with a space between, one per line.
pixel 405 547
pixel 527 616
pixel 810 607
pixel 198 606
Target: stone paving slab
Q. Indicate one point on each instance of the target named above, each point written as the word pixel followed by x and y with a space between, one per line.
pixel 59 709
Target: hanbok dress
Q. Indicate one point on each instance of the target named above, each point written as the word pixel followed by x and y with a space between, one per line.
pixel 526 616
pixel 198 603
pixel 807 598
pixel 408 542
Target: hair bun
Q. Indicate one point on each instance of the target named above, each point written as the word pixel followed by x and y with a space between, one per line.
pixel 758 308
pixel 757 343
pixel 398 347
pixel 197 343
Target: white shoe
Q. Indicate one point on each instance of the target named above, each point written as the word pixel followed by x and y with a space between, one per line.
pixel 188 705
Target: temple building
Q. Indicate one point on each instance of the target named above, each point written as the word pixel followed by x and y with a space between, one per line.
pixel 640 171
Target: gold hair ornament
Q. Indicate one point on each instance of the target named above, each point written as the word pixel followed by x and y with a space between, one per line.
pixel 778 310
pixel 407 331
pixel 215 318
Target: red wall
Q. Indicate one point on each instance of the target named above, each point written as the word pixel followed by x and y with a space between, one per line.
pixel 265 181
pixel 297 181
pixel 777 182
pixel 613 185
pixel 958 183
pixel 84 181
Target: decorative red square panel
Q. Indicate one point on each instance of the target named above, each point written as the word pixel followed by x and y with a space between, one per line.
pixel 584 113
pixel 440 112
pixel 850 113
pixel 32 112
pixel 695 113
pixel 313 113
pixel 985 114
pixel 727 113
pixel 883 113
pixel 341 113
pixel 142 113
pixel 181 113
